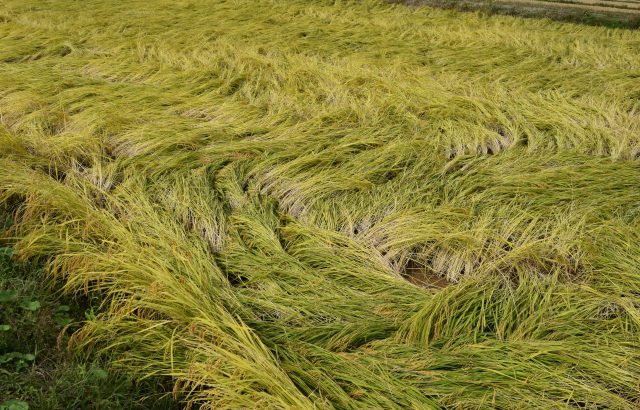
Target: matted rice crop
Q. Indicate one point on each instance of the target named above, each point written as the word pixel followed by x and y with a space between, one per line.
pixel 333 204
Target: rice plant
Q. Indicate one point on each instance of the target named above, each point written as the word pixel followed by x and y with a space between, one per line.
pixel 333 204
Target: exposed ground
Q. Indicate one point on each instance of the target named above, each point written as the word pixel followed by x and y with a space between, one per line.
pixel 319 204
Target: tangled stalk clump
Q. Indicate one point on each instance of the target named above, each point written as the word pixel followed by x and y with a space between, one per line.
pixel 319 204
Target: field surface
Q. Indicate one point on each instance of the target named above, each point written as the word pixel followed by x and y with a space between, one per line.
pixel 332 204
pixel 599 5
pixel 612 13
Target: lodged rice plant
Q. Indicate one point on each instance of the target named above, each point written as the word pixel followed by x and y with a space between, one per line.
pixel 321 204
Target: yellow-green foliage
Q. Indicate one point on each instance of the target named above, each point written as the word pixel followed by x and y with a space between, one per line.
pixel 246 183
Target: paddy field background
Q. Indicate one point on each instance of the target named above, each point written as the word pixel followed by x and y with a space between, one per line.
pixel 327 204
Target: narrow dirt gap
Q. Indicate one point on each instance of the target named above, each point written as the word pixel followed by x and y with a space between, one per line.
pixel 421 275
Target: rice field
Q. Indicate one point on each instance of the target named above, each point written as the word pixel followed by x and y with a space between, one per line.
pixel 314 204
